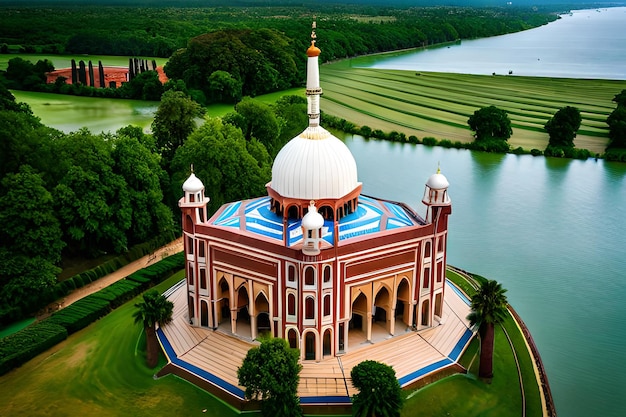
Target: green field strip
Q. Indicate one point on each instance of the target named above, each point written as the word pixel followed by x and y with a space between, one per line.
pixel 392 115
pixel 528 88
pixel 393 105
pixel 436 105
pixel 431 97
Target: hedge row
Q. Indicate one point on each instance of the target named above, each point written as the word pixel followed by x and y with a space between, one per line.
pixel 38 337
pixel 24 345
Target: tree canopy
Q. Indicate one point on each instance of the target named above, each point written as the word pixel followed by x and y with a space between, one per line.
pixel 617 123
pixel 488 308
pixel 174 120
pixel 379 393
pixel 490 123
pixel 562 127
pixel 270 373
pixel 224 160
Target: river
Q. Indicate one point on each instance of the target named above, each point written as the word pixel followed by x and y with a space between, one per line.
pixel 583 44
pixel 552 231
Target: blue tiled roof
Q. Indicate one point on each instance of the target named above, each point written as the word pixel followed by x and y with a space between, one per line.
pixel 372 216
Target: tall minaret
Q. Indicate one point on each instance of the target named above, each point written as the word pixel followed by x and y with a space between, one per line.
pixel 313 89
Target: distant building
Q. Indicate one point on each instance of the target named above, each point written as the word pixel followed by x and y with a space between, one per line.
pixel 315 261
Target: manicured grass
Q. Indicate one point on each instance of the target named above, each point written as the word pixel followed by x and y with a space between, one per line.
pixel 100 371
pixel 439 104
pixel 465 395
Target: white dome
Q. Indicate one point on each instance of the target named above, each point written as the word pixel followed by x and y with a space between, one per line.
pixel 312 219
pixel 437 181
pixel 193 184
pixel 314 165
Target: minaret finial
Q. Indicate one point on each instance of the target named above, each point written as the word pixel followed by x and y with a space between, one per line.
pixel 438 168
pixel 192 168
pixel 313 89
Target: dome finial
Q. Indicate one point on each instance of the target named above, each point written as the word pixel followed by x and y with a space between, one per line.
pixel 192 168
pixel 438 168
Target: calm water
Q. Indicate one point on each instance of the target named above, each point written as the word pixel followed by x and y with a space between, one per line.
pixel 583 44
pixel 553 232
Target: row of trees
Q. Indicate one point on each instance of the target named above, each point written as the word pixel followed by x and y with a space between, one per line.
pixel 83 195
pixel 160 31
pixel 492 128
pixel 69 195
pixel 21 74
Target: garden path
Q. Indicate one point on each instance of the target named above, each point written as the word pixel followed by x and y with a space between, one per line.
pixel 171 248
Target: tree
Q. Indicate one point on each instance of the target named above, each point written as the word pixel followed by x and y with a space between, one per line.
pixel 488 308
pixel 490 123
pixel 173 122
pixel 220 156
pixel 259 121
pixel 620 98
pixel 562 127
pixel 224 88
pixel 92 200
pixel 379 394
pixel 141 170
pixel 617 127
pixel 154 308
pixel 30 238
pixel 270 373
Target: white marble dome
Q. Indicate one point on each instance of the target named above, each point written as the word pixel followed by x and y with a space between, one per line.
pixel 314 165
pixel 437 181
pixel 312 219
pixel 193 184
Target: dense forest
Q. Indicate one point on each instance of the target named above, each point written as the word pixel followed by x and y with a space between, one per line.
pixel 72 195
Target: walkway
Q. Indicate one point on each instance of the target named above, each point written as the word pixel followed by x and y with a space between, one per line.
pixel 163 252
pixel 213 356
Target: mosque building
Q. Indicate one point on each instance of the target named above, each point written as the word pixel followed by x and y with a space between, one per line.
pixel 315 261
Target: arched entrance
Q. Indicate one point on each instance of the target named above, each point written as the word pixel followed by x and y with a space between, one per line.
pixel 223 305
pixel 292 337
pixel 327 343
pixel 426 313
pixel 262 310
pixel 403 299
pixel 358 327
pixel 380 314
pixel 439 305
pixel 309 346
pixel 204 313
pixel 242 322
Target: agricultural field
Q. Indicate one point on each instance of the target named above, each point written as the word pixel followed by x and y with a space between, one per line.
pixel 438 104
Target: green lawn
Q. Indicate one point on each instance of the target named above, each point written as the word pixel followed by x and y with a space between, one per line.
pixel 439 104
pixel 101 371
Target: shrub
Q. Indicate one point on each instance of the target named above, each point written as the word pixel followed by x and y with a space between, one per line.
pixel 429 141
pixel 24 345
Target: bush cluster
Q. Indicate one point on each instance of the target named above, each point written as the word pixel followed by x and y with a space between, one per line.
pixel 22 346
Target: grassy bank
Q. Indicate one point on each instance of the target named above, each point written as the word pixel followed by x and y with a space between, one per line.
pixel 438 104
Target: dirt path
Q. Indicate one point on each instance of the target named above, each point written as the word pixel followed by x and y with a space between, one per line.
pixel 167 250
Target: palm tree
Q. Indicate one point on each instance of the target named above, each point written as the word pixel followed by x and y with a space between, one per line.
pixel 489 307
pixel 154 309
